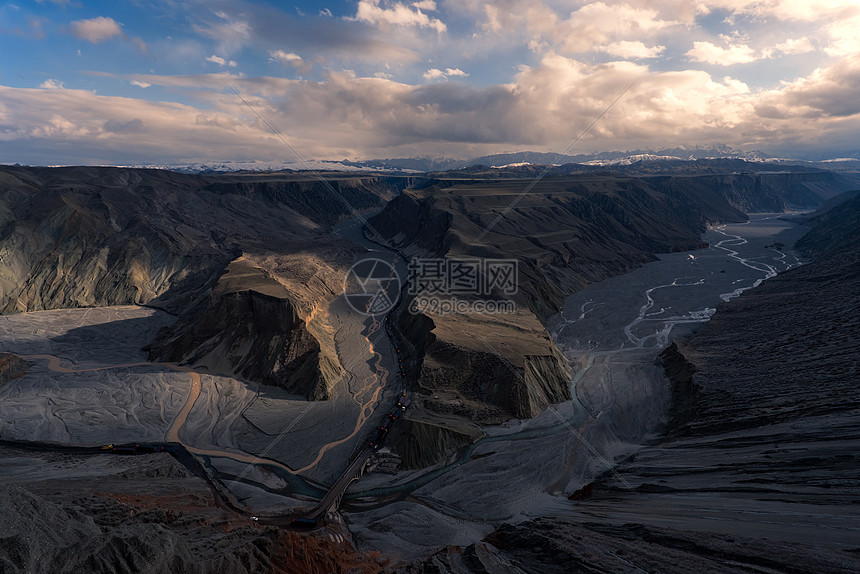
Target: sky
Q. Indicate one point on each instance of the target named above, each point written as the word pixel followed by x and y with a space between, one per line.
pixel 150 82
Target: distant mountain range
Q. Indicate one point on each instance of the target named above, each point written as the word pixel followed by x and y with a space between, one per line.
pixel 423 164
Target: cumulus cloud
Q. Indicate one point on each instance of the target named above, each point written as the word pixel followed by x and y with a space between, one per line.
pixel 780 9
pixel 437 74
pixel 795 46
pixel 713 54
pixel 283 57
pixel 221 61
pixel 587 28
pixel 618 19
pixel 290 59
pixel 732 53
pixel 543 106
pixel 96 30
pixel 844 40
pixel 41 124
pixel 632 49
pixel 434 74
pixel 832 91
pixel 57 126
pixel 51 84
pixel 326 12
pixel 101 29
pixel 398 14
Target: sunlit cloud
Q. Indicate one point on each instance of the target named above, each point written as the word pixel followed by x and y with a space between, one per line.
pixel 710 53
pixel 384 78
pixel 221 61
pixel 398 14
pixel 437 74
pixel 632 50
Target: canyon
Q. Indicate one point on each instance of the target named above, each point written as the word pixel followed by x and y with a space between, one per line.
pixel 131 282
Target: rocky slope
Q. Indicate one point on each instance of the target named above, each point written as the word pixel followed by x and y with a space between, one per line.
pixel 835 234
pixel 108 514
pixel 87 236
pixel 426 436
pixel 760 192
pixel 557 546
pixel 325 203
pixel 83 236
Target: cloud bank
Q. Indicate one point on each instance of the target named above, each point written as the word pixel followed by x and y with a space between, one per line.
pixel 390 78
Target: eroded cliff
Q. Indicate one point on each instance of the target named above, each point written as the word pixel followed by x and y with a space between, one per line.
pixel 251 329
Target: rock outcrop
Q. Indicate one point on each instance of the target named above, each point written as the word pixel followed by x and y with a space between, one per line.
pixel 506 363
pixel 679 371
pixel 251 329
pixel 425 437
